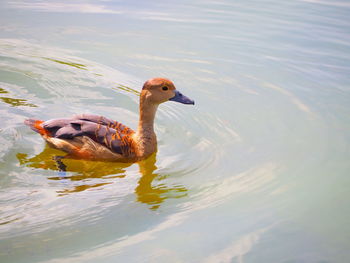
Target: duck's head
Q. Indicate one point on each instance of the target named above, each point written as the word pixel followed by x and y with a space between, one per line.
pixel 159 90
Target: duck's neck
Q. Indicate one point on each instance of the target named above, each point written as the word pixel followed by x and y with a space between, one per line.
pixel 146 121
pixel 145 136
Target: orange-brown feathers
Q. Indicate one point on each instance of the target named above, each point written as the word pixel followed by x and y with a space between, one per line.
pixel 156 91
pixel 41 130
pixel 36 125
pixel 157 83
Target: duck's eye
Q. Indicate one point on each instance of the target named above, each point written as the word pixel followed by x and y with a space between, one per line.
pixel 164 88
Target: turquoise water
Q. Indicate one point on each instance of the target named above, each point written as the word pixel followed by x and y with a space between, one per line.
pixel 256 171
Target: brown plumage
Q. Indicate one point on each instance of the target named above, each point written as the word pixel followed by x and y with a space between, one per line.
pixel 98 138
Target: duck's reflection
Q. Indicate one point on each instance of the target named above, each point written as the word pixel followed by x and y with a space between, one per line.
pixel 147 193
pixel 87 171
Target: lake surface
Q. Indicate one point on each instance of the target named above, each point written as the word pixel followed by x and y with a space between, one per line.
pixel 256 171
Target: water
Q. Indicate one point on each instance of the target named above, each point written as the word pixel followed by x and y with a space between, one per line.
pixel 256 171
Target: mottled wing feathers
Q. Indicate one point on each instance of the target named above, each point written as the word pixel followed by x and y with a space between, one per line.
pixel 104 122
pixel 94 118
pixel 109 133
pixel 53 126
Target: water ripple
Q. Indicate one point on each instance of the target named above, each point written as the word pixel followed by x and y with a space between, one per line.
pixel 57 74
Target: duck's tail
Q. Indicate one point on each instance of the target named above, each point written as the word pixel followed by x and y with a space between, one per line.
pixel 36 125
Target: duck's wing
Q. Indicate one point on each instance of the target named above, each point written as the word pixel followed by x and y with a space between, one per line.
pixel 95 118
pixel 106 132
pixel 121 128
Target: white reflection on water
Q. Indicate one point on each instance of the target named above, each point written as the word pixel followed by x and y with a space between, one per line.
pixel 66 7
pixel 169 59
pixel 300 105
pixel 237 249
pixel 330 3
pixel 91 8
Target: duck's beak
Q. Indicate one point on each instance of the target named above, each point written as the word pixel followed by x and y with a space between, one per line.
pixel 181 98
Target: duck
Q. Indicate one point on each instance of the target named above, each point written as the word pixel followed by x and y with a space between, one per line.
pixel 95 137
